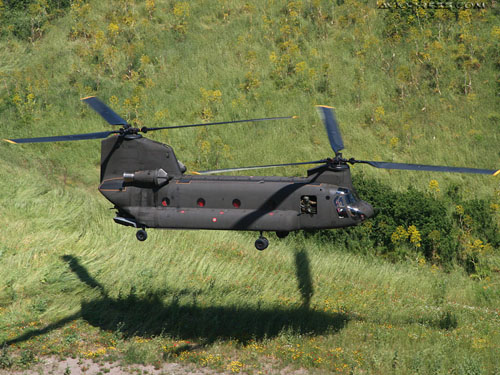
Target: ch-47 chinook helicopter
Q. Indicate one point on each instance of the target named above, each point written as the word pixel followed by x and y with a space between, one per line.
pixel 150 189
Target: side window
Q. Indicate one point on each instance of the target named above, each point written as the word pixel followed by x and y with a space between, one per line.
pixel 308 204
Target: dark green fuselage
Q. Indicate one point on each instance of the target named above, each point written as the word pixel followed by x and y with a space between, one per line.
pixel 145 197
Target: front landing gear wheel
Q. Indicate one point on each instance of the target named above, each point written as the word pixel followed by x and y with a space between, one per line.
pixel 141 235
pixel 261 243
pixel 281 234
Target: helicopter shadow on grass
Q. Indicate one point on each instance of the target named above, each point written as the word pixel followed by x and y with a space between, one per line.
pixel 150 315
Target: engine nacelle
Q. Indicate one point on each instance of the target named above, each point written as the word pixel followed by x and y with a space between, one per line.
pixel 155 177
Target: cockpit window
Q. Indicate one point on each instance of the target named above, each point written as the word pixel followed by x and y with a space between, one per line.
pixel 344 199
pixel 350 198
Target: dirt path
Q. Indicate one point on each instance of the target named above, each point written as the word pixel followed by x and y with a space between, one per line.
pixel 70 366
pixel 75 366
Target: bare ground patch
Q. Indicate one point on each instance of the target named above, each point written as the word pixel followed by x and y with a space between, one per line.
pixel 78 366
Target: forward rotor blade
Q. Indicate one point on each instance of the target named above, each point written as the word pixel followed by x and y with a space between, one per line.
pixel 430 168
pixel 332 128
pixel 258 167
pixel 72 137
pixel 145 130
pixel 106 113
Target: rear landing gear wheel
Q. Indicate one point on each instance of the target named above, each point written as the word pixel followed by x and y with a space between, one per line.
pixel 141 235
pixel 261 243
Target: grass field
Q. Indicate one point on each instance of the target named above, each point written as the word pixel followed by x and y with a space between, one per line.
pixel 74 284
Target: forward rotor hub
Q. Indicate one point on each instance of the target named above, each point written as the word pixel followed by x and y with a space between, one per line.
pixel 337 161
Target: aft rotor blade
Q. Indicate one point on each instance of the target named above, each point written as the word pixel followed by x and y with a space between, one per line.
pixel 430 168
pixel 332 128
pixel 60 138
pixel 145 130
pixel 106 113
pixel 259 167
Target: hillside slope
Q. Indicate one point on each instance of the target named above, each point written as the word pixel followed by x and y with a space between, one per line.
pixel 421 92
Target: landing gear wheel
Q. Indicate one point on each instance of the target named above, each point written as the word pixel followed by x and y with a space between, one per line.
pixel 281 234
pixel 261 243
pixel 141 235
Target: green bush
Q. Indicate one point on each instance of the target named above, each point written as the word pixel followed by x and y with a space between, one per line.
pixel 25 19
pixel 440 233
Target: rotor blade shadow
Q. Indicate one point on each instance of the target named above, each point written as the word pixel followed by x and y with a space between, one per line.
pixel 304 279
pixel 30 334
pixel 83 274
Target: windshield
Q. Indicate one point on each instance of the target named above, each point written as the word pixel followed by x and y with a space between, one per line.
pixel 349 196
pixel 345 203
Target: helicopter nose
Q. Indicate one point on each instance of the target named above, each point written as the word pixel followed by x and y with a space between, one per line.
pixel 362 211
pixel 368 210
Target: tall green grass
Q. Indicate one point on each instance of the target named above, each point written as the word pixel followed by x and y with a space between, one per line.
pixel 303 303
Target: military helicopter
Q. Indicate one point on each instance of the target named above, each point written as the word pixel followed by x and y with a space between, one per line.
pixel 149 187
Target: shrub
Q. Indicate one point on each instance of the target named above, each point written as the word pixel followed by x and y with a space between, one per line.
pixel 412 224
pixel 25 19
